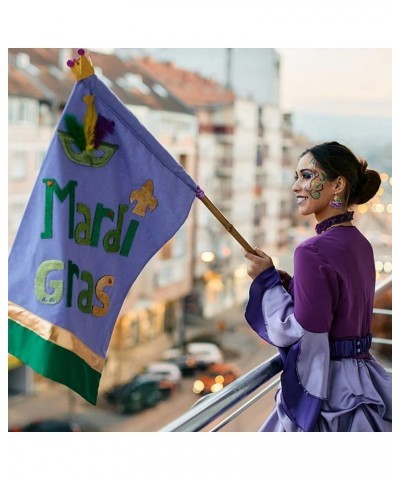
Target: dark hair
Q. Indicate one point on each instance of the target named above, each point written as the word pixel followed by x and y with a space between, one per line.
pixel 337 160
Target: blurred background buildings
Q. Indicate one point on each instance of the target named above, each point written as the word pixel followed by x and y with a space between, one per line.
pixel 219 113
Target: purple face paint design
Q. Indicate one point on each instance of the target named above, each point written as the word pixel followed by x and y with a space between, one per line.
pixel 317 181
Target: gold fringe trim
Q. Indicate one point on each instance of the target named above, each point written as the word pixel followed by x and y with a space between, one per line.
pixel 58 335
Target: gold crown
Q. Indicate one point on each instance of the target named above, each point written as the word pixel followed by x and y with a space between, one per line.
pixel 82 66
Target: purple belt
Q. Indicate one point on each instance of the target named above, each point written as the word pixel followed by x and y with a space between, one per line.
pixel 350 347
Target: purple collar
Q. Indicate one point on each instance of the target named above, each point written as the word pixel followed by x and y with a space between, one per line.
pixel 329 222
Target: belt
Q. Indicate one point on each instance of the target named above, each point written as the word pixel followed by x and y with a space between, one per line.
pixel 350 347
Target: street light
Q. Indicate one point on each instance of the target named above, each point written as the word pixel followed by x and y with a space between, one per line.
pixel 207 257
pixel 384 177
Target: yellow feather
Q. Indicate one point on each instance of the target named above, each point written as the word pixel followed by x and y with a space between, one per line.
pixel 89 121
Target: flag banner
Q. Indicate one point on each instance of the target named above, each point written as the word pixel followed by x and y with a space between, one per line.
pixel 108 196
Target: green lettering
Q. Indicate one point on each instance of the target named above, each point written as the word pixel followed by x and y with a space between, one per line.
pixel 83 227
pixel 85 298
pixel 130 235
pixel 101 212
pixel 112 238
pixel 73 269
pixel 53 294
pixel 52 188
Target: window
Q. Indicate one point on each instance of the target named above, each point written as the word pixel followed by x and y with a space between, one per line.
pixel 14 220
pixel 23 110
pixel 179 245
pixel 18 165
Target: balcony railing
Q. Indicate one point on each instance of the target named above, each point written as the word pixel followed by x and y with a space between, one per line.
pixel 213 406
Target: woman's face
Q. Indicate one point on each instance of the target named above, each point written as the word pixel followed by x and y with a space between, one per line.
pixel 313 190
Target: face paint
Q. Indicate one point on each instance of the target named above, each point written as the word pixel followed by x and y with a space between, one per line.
pixel 317 181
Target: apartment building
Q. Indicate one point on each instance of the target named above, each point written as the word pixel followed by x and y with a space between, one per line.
pixel 240 152
pixel 236 146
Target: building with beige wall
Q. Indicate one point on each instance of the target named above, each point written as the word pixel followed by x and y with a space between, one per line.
pixel 232 146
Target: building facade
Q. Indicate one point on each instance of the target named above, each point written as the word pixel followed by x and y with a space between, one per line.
pixel 240 159
pixel 231 137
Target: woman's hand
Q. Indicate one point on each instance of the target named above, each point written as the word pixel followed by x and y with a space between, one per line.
pixel 285 279
pixel 257 263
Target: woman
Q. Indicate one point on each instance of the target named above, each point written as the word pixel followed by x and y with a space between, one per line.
pixel 321 319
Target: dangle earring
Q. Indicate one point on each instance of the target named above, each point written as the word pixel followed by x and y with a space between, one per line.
pixel 336 202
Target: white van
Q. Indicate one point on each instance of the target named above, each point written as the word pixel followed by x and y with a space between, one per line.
pixel 205 352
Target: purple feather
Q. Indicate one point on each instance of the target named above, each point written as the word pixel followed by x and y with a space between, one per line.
pixel 103 126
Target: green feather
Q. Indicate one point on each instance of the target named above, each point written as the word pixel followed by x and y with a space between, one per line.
pixel 75 130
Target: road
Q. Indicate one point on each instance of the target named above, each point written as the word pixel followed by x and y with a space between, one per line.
pixel 241 345
pixel 252 352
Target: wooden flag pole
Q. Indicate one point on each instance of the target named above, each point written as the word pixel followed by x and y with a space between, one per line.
pixel 231 229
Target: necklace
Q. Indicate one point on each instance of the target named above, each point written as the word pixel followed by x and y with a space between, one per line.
pixel 329 222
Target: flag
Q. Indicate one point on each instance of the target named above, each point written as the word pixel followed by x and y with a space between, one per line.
pixel 108 196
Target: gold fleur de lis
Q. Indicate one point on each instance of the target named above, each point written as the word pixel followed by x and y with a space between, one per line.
pixel 144 198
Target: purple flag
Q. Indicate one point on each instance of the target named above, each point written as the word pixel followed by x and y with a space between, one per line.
pixel 107 198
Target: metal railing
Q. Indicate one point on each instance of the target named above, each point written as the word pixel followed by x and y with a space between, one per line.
pixel 213 406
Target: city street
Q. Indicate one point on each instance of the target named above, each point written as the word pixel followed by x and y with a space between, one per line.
pixel 242 346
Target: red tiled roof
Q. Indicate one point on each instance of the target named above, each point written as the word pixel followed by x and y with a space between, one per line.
pixel 60 84
pixel 189 87
pixel 115 69
pixel 19 84
pixel 50 78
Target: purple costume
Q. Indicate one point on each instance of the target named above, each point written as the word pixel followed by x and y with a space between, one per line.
pixel 322 327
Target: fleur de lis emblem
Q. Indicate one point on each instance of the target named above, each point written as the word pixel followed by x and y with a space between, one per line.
pixel 144 198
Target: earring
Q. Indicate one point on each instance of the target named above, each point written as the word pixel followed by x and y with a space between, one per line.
pixel 336 202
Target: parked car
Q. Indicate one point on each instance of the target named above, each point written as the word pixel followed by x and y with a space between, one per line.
pixel 205 352
pixel 169 371
pixel 187 363
pixel 166 385
pixel 50 425
pixel 194 357
pixel 139 393
pixel 215 378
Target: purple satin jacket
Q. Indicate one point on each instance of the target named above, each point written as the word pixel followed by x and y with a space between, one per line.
pixel 330 298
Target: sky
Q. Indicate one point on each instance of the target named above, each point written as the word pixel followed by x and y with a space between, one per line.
pixel 342 94
pixel 339 81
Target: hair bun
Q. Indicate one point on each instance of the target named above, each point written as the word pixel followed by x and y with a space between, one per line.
pixel 362 174
pixel 369 182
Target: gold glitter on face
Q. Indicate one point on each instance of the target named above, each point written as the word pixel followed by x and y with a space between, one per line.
pixel 317 181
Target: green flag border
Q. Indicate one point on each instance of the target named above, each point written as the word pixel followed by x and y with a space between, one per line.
pixel 53 362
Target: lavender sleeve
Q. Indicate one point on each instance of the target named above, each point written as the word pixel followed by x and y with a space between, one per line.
pixel 270 310
pixel 305 355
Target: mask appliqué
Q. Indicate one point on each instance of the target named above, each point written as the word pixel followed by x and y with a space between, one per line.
pixel 83 143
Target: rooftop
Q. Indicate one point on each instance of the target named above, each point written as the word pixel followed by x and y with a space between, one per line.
pixel 190 87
